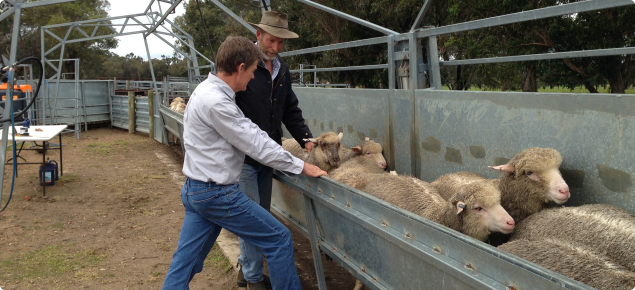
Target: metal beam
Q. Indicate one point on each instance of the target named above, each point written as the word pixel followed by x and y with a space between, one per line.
pixel 356 43
pixel 349 17
pixel 104 36
pixel 45 2
pixel 165 15
pixel 543 56
pixel 7 13
pixel 577 7
pixel 149 6
pixel 422 14
pixel 233 15
pixel 94 20
pixel 81 31
pixel 361 67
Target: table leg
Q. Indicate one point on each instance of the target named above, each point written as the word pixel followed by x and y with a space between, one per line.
pixel 61 159
pixel 44 164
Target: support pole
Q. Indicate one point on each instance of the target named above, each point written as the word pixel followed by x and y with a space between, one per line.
pixel 127 84
pixel 131 113
pixel 315 248
pixel 151 113
pixel 434 72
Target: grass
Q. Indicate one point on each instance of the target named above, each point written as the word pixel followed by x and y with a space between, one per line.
pixel 48 262
pixel 67 178
pixel 577 90
pixel 217 259
pixel 105 148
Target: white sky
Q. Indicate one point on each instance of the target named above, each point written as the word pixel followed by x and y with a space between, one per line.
pixel 134 43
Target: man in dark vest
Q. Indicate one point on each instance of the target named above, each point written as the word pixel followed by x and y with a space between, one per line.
pixel 268 101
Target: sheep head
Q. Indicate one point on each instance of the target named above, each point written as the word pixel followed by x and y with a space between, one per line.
pixel 539 168
pixel 371 149
pixel 328 145
pixel 480 211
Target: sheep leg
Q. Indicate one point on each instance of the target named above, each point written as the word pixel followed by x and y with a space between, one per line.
pixel 358 285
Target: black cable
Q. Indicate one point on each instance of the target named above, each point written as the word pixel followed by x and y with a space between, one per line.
pixel 37 90
pixel 209 42
pixel 264 5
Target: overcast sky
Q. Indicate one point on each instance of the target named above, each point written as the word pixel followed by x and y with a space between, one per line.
pixel 134 43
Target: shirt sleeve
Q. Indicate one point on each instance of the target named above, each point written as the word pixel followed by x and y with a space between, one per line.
pixel 243 134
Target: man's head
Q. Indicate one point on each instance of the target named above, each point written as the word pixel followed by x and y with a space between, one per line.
pixel 236 61
pixel 273 29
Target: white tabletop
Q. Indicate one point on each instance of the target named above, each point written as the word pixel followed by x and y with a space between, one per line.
pixel 47 133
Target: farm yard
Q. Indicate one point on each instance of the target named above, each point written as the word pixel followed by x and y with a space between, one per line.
pixel 112 221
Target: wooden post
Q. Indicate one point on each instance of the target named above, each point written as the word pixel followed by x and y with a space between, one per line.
pixel 127 84
pixel 131 114
pixel 151 110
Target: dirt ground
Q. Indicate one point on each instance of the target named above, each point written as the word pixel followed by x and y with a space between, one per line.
pixel 112 221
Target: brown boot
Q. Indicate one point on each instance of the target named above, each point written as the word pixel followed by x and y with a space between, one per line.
pixel 256 286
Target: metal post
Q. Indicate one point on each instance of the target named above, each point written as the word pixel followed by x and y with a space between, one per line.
pixel 7 111
pixel 154 80
pixel 131 113
pixel 312 227
pixel 151 113
pixel 434 72
pixel 194 57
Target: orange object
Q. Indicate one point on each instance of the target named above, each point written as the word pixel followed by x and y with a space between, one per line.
pixel 4 97
pixel 23 88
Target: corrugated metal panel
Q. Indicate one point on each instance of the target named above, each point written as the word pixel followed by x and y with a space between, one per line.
pixel 468 131
pixel 93 92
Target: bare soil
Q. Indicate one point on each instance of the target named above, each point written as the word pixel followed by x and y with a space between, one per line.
pixel 112 221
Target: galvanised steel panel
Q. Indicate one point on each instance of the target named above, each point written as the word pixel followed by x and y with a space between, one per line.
pixel 173 121
pixel 403 130
pixel 389 248
pixel 95 94
pixel 357 113
pixel 468 131
pixel 142 115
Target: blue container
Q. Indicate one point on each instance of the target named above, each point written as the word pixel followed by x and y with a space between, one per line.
pixel 49 173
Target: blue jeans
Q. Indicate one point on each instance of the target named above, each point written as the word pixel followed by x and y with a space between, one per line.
pixel 210 207
pixel 255 182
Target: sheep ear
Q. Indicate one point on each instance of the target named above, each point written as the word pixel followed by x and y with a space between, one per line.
pixel 357 149
pixel 393 172
pixel 507 168
pixel 367 139
pixel 460 206
pixel 340 135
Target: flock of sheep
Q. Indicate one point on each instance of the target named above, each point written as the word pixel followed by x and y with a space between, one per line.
pixel 178 105
pixel 594 244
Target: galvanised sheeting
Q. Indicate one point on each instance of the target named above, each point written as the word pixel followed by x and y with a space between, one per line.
pixel 173 121
pixel 357 113
pixel 95 94
pixel 389 248
pixel 120 113
pixel 468 131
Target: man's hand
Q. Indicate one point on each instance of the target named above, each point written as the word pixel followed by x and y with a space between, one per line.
pixel 309 146
pixel 312 170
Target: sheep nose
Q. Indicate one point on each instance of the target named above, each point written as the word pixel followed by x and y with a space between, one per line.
pixel 564 191
pixel 383 165
pixel 336 159
pixel 511 223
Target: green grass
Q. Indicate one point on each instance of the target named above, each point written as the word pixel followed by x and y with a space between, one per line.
pixel 217 259
pixel 577 90
pixel 47 262
pixel 105 148
pixel 67 178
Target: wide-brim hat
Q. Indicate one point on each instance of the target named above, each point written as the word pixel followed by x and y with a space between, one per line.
pixel 276 24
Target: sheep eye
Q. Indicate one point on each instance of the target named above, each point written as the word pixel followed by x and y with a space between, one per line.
pixel 478 208
pixel 529 173
pixel 367 152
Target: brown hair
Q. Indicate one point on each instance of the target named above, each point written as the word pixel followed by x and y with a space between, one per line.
pixel 234 51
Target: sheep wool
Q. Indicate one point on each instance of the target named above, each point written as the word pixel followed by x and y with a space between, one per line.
pixel 607 229
pixel 324 154
pixel 574 261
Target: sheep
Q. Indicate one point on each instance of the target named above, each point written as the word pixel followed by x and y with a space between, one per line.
pixel 175 102
pixel 607 229
pixel 367 148
pixel 324 155
pixel 483 216
pixel 367 157
pixel 180 108
pixel 574 261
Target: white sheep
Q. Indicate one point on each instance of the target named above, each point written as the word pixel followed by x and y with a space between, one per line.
pixel 366 157
pixel 325 153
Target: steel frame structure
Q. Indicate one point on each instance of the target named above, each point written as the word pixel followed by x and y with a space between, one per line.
pixel 407 49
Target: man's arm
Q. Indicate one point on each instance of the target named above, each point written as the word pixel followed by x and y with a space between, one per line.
pixel 248 138
pixel 293 120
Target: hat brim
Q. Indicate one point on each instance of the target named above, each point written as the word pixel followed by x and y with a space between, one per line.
pixel 276 31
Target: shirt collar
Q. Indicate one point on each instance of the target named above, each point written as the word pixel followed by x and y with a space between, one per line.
pixel 212 78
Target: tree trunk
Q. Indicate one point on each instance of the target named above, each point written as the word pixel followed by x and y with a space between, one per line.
pixel 458 85
pixel 591 88
pixel 529 78
pixel 618 85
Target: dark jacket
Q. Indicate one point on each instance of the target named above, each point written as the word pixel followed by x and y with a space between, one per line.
pixel 269 109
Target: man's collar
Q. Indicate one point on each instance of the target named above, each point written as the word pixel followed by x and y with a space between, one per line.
pixel 212 78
